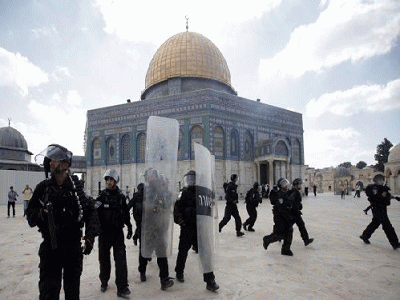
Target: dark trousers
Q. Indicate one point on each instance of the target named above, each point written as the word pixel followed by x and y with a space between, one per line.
pixel 107 240
pixel 187 239
pixel 231 210
pixel 56 265
pixel 252 211
pixel 380 216
pixel 162 263
pixel 302 228
pixel 283 230
pixel 10 204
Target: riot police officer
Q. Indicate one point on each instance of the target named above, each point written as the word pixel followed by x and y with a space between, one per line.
pixel 185 217
pixel 253 198
pixel 113 214
pixel 136 204
pixel 379 197
pixel 298 206
pixel 231 197
pixel 60 209
pixel 283 218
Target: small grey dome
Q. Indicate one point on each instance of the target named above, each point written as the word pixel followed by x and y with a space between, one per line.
pixel 12 139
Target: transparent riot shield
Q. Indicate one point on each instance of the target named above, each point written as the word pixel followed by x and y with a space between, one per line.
pixel 205 206
pixel 160 186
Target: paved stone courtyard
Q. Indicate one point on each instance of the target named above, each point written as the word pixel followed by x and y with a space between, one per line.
pixel 338 265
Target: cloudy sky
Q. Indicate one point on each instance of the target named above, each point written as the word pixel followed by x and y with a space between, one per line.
pixel 337 62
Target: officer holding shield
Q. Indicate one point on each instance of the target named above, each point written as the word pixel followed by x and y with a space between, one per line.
pixel 185 217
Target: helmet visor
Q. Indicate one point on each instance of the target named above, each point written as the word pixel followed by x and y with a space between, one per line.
pixel 54 152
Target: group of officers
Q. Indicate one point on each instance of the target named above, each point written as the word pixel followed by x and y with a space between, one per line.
pixel 60 209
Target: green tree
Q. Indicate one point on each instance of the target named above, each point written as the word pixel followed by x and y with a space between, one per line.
pixel 382 154
pixel 346 164
pixel 361 164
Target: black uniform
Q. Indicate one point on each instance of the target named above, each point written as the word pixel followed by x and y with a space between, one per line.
pixel 379 203
pixel 283 221
pixel 113 214
pixel 231 197
pixel 252 200
pixel 137 211
pixel 61 228
pixel 295 196
pixel 185 217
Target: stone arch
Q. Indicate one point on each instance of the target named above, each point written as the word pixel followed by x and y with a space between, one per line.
pixel 281 148
pixel 140 147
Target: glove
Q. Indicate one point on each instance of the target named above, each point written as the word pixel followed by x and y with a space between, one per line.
pixel 129 235
pixel 87 246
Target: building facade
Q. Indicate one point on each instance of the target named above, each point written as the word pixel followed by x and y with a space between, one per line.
pixel 188 79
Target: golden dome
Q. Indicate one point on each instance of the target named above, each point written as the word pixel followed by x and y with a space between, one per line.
pixel 187 54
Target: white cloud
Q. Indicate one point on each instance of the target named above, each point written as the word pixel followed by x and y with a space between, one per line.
pixel 61 124
pixel 140 21
pixel 44 32
pixel 17 71
pixel 347 30
pixel 368 98
pixel 73 98
pixel 331 147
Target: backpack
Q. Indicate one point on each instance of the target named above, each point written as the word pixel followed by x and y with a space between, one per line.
pixel 225 185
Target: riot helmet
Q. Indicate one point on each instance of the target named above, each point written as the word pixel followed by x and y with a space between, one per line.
pixel 112 174
pixel 234 177
pixel 256 185
pixel 189 178
pixel 297 181
pixel 379 179
pixel 140 187
pixel 53 152
pixel 283 184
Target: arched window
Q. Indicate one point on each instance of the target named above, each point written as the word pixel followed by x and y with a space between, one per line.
pixel 196 135
pixel 111 151
pixel 96 150
pixel 234 143
pixel 140 147
pixel 126 148
pixel 296 158
pixel 281 149
pixel 219 142
pixel 248 147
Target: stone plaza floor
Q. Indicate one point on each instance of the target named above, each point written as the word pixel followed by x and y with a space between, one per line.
pixel 338 265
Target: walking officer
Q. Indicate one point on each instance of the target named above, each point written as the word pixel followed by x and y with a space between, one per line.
pixel 253 198
pixel 113 214
pixel 283 218
pixel 231 197
pixel 185 216
pixel 379 197
pixel 297 207
pixel 60 209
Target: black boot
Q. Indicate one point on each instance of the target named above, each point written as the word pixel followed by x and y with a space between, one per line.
pixel 365 240
pixel 166 283
pixel 266 242
pixel 143 276
pixel 287 252
pixel 239 233
pixel 308 242
pixel 180 277
pixel 212 286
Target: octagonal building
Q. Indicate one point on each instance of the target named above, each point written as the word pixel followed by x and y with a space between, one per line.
pixel 188 79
